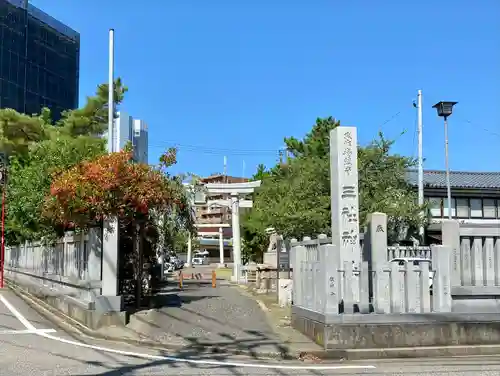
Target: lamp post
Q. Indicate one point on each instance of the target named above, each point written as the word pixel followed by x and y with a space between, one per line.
pixel 445 109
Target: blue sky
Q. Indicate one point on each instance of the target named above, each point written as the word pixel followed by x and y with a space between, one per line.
pixel 235 77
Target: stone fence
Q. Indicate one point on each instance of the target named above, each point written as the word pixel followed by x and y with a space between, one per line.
pixel 71 267
pixel 347 296
pixel 329 282
pixel 475 265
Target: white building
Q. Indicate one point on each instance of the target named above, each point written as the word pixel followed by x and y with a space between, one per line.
pixel 126 129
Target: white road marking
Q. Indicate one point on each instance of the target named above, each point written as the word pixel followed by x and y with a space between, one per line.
pixel 16 313
pixel 28 331
pixel 30 326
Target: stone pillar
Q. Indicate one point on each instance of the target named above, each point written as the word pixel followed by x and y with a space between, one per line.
pixel 441 288
pixel 376 240
pixel 109 300
pixel 450 233
pixel 221 248
pixel 331 279
pixel 344 199
pixel 375 252
pixel 235 221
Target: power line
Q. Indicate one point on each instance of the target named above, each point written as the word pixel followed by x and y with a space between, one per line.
pixel 460 118
pixel 199 149
pixel 216 151
pixel 389 120
pixel 482 128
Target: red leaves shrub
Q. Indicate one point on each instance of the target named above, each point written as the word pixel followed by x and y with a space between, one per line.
pixel 111 185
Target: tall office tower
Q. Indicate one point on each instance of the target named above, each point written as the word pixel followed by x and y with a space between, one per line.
pixel 39 60
pixel 128 129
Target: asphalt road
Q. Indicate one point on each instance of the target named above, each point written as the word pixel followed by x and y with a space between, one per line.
pixel 30 345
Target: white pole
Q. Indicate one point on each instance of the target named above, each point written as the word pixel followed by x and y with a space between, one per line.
pixel 110 282
pixel 189 255
pixel 221 247
pixel 447 163
pixel 420 157
pixel 235 217
pixel 111 106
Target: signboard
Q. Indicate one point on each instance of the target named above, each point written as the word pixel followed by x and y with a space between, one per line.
pixel 283 255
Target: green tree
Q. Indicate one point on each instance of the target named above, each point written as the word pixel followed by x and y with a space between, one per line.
pixel 253 233
pixel 294 198
pixel 37 149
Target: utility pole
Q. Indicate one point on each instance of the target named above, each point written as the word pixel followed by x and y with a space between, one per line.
pixel 110 299
pixel 111 101
pixel 420 158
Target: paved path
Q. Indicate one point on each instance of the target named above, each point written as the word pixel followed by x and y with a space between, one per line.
pixel 30 346
pixel 199 315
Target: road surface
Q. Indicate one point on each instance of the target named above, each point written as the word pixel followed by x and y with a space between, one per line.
pixel 30 345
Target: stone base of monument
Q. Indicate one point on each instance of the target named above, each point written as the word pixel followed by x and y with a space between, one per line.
pixel 269 259
pixel 285 287
pixel 387 333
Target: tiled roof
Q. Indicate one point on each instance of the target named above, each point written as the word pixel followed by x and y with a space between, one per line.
pixel 458 179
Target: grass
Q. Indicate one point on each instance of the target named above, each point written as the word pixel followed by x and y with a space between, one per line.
pixel 224 273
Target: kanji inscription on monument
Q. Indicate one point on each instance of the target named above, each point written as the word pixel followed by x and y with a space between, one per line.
pixel 344 193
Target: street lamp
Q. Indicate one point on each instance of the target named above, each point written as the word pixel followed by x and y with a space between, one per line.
pixel 445 109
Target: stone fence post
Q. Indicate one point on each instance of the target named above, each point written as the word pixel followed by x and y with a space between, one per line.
pixel 450 232
pixel 375 253
pixel 441 287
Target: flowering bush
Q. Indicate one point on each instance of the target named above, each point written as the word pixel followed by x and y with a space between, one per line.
pixel 111 185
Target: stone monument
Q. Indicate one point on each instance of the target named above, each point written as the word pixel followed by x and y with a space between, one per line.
pixel 344 202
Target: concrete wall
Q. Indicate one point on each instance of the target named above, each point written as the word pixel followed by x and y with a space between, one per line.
pixel 72 267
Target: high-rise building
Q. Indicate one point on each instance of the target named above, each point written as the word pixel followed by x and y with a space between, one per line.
pixel 39 60
pixel 127 129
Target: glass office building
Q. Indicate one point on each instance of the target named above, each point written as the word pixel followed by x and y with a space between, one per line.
pixel 39 60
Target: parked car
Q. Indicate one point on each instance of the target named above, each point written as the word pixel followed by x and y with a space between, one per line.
pixel 199 260
pixel 201 253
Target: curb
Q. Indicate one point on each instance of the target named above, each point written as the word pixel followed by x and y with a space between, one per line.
pixel 387 353
pixel 408 352
pixel 72 326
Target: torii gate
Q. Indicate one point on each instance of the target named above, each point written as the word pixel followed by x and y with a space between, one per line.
pixel 236 191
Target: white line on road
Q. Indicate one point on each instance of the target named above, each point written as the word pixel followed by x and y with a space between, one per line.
pixel 27 331
pixel 30 326
pixel 16 313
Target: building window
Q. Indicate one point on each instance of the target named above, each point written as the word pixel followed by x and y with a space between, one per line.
pixel 489 208
pixel 462 208
pixel 435 207
pixel 453 208
pixel 476 208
